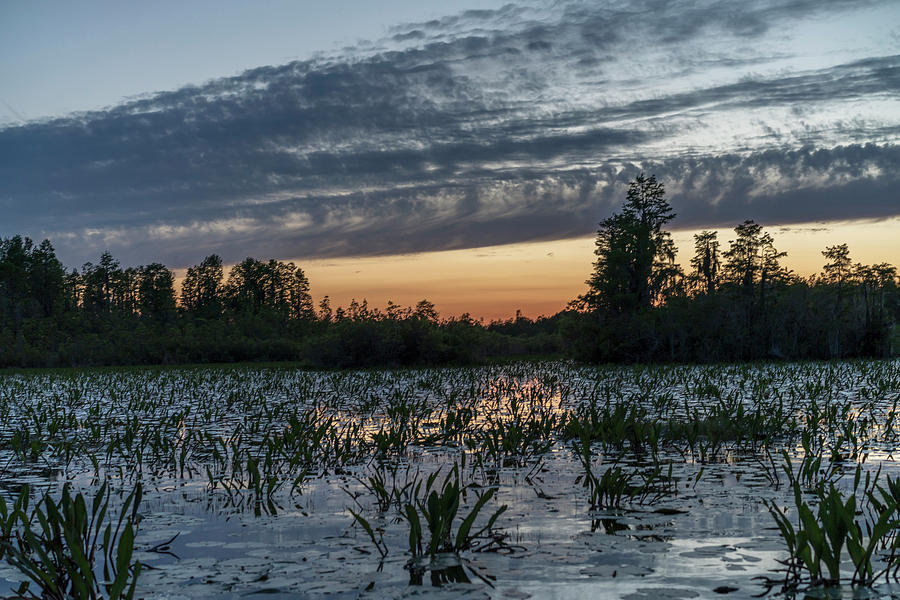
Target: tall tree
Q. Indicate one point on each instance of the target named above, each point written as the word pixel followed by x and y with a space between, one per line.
pixel 300 299
pixel 99 283
pixel 751 261
pixel 246 286
pixel 46 275
pixel 15 291
pixel 426 310
pixel 201 291
pixel 839 268
pixel 837 275
pixel 879 291
pixel 275 287
pixel 705 273
pixel 156 293
pixel 752 270
pixel 635 258
pixel 125 291
pixel 325 312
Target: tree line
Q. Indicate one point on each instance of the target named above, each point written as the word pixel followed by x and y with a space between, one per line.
pixel 104 314
pixel 738 303
pixel 734 303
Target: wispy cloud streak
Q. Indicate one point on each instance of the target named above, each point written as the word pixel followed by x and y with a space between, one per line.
pixel 481 128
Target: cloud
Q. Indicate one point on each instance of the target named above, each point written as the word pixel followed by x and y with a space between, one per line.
pixel 486 127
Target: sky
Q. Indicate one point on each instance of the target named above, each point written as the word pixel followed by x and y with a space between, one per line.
pixel 463 151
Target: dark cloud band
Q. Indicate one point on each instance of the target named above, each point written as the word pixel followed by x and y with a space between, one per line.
pixel 487 127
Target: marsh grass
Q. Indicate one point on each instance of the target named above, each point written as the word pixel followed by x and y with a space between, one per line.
pixel 438 507
pixel 256 439
pixel 619 486
pixel 56 545
pixel 430 509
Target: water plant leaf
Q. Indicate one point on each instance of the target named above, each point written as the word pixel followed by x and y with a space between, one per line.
pixel 462 536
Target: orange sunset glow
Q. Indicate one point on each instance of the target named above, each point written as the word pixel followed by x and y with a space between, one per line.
pixel 539 278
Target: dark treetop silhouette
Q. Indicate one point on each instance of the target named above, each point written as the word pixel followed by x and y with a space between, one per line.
pixel 736 304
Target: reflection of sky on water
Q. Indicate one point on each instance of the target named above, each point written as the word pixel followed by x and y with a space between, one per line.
pixel 714 532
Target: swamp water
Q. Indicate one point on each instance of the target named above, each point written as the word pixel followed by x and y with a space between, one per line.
pixel 251 476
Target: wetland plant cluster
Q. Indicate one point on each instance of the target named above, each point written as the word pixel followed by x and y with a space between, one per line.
pixel 55 545
pixel 429 464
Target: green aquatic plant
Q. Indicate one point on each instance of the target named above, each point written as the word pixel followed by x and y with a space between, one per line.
pixel 452 426
pixel 391 440
pixel 55 545
pixel 261 435
pixel 438 509
pixel 378 542
pixel 27 446
pixel 611 489
pixel 617 486
pixel 834 522
pixel 614 424
pixel 657 482
pixel 428 502
pixel 514 441
pixel 389 488
pixel 814 469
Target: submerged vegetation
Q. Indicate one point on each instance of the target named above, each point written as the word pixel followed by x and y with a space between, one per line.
pixel 495 479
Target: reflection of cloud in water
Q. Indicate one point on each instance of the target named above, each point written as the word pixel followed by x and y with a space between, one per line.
pixel 714 531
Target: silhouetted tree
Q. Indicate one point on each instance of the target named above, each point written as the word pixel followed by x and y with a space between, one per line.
pixel 705 263
pixel 751 261
pixel 635 265
pixel 837 276
pixel 879 287
pixel 839 268
pixel 201 291
pixel 425 310
pixel 751 270
pixel 156 293
pixel 99 283
pixel 300 299
pixel 358 311
pixel 747 307
pixel 395 311
pixel 246 287
pixel 15 290
pixel 325 312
